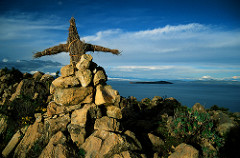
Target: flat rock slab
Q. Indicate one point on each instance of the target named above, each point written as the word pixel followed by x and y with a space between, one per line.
pixel 73 96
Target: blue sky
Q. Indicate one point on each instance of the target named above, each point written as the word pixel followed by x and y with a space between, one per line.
pixel 159 39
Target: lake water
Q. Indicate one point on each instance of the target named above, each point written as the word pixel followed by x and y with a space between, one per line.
pixel 187 93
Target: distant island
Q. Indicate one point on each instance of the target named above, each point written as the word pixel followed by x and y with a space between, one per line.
pixel 152 82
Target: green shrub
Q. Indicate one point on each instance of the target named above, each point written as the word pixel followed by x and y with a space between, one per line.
pixel 23 109
pixel 215 107
pixel 194 126
pixel 81 152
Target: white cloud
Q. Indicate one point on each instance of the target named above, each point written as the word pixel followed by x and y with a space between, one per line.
pixel 51 73
pixel 144 68
pixel 206 77
pixel 23 26
pixel 33 72
pixel 5 60
pixel 102 34
pixel 192 27
pixel 191 38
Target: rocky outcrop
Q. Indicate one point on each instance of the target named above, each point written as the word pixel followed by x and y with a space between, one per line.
pixel 15 84
pixel 14 141
pixel 34 136
pixel 30 88
pixel 85 117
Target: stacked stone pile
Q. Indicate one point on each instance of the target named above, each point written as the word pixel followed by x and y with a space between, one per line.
pixel 84 113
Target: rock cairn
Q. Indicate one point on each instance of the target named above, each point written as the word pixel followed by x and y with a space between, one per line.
pixel 85 110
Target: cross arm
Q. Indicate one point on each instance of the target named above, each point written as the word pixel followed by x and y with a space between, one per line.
pixel 90 47
pixel 53 50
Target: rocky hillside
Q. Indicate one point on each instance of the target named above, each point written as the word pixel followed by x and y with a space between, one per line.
pixel 79 115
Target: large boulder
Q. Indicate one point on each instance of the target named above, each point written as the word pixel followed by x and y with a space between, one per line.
pixel 84 62
pixel 53 109
pixel 53 125
pixel 14 141
pixel 84 76
pixel 107 124
pixel 104 144
pixel 132 142
pixel 77 133
pixel 81 116
pixel 73 96
pixel 184 150
pixel 33 136
pixel 92 146
pixel 99 77
pixel 82 122
pixel 225 128
pixel 223 122
pixel 114 112
pixel 105 94
pixel 56 147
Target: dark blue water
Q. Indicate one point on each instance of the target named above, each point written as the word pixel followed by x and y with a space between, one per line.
pixel 225 95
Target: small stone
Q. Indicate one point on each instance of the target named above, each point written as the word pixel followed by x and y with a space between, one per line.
pixel 3 123
pixel 184 150
pixel 84 62
pixel 133 143
pixel 157 142
pixel 107 124
pixel 84 76
pixel 37 76
pixel 100 77
pixel 53 109
pixel 105 94
pixel 27 75
pixel 114 112
pixel 54 125
pixel 77 133
pixel 67 70
pixel 81 116
pixel 46 77
pixel 38 117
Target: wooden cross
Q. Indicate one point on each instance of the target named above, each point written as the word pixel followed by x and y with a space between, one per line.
pixel 74 46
